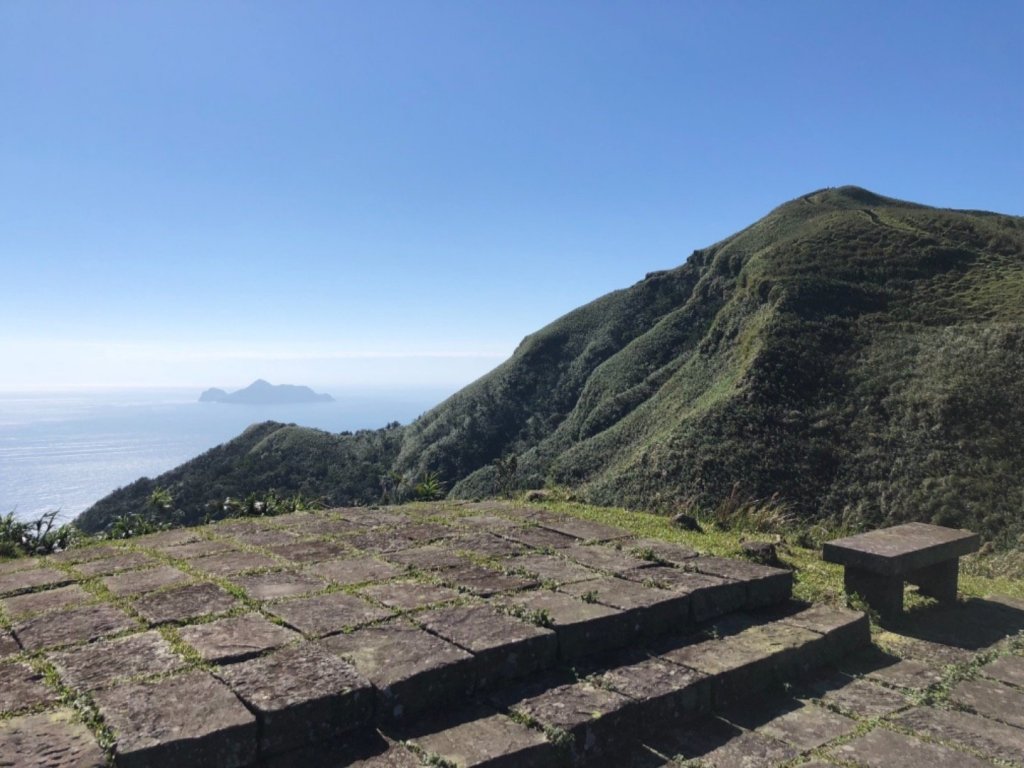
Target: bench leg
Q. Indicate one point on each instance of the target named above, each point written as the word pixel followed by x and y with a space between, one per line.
pixel 938 581
pixel 883 593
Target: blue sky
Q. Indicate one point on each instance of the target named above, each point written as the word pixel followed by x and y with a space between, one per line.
pixel 394 193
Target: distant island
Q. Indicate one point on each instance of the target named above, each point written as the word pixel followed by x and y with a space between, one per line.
pixel 261 392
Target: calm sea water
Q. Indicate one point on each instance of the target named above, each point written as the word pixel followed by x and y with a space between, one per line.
pixel 66 451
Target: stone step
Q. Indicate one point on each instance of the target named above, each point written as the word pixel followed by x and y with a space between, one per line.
pixel 584 716
pixel 260 637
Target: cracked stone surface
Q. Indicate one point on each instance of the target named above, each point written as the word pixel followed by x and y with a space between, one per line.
pixel 21 687
pixel 804 726
pixel 881 748
pixel 279 584
pixel 230 563
pixel 308 551
pixel 540 538
pixel 182 603
pixel 126 562
pixel 429 558
pixel 106 662
pixel 1006 669
pixel 718 745
pixel 327 614
pixel 198 548
pixel 503 647
pixel 149 580
pixel 354 571
pixel 582 628
pixel 49 740
pixel 412 669
pixel 409 595
pixel 670 692
pixel 602 558
pixel 654 611
pixel 301 695
pixel 863 699
pixel 236 638
pixel 484 582
pixel 16 582
pixel 585 530
pixel 192 719
pixel 25 605
pixel 549 568
pixel 990 737
pixel 992 699
pixel 77 625
pixel 487 739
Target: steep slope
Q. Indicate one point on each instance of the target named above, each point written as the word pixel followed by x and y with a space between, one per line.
pixel 858 355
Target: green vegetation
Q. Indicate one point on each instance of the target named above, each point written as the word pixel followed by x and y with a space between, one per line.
pixel 35 537
pixel 848 361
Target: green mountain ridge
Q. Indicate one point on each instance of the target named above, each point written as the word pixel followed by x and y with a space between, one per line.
pixel 857 355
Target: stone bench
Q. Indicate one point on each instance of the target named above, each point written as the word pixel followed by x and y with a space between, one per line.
pixel 878 563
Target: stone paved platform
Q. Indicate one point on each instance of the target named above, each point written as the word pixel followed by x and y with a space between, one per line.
pixel 337 638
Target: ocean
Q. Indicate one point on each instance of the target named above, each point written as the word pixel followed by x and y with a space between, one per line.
pixel 64 451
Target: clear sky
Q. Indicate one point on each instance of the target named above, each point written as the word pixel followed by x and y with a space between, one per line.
pixel 395 193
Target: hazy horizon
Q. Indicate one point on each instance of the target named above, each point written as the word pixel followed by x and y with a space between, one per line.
pixel 206 193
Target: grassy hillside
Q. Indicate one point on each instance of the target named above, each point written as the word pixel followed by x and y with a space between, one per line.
pixel 856 357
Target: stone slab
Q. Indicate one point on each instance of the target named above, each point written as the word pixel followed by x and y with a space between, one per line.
pixel 907 673
pixel 77 625
pixel 805 726
pixel 107 662
pixel 263 537
pixel 845 630
pixel 423 533
pixel 749 660
pixel 859 698
pixel 327 614
pixel 409 595
pixel 540 538
pixel 653 611
pixel 198 548
pixel 358 570
pixel 128 561
pixel 551 570
pixel 191 719
pixel 171 538
pixel 490 523
pixel 22 606
pixel 716 744
pixel 710 596
pixel 21 687
pixel 279 584
pixel 990 737
pixel 236 638
pixel 585 530
pixel 484 582
pixel 379 540
pixel 184 603
pixel 881 748
pixel 901 548
pixel 49 740
pixel 485 544
pixel 582 628
pixel 364 749
pixel 486 739
pixel 149 580
pixel 430 558
pixel 670 693
pixel 231 563
pixel 594 717
pixel 17 564
pixel 660 552
pixel 992 699
pixel 503 647
pixel 301 695
pixel 330 527
pixel 34 578
pixel 607 559
pixel 764 585
pixel 315 551
pixel 85 554
pixel 411 669
pixel 1006 669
